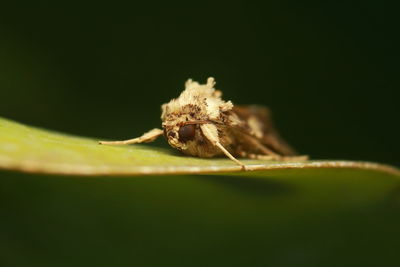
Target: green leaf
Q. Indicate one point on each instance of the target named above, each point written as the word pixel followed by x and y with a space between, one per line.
pixel 31 149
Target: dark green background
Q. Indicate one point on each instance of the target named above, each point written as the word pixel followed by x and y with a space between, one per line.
pixel 328 71
pixel 306 217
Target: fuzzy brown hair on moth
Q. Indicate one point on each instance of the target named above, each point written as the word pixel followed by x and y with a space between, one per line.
pixel 200 123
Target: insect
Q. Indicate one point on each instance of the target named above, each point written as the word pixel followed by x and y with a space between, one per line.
pixel 200 123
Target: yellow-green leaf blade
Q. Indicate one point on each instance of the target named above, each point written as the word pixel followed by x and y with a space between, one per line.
pixel 36 150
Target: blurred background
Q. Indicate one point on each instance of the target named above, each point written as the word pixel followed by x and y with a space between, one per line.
pixel 327 70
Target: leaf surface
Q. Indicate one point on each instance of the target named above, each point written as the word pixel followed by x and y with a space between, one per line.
pixel 36 150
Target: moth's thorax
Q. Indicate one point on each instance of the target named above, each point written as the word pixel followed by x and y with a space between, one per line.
pixel 200 99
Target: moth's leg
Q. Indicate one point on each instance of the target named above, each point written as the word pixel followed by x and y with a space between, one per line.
pixel 278 144
pixel 211 133
pixel 270 155
pixel 145 138
pixel 265 150
pixel 229 155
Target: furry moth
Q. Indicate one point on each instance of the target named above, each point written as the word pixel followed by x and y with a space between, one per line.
pixel 200 123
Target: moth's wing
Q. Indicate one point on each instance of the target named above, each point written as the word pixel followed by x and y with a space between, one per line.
pixel 257 122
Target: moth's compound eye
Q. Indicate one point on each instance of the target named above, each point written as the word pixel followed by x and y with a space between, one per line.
pixel 187 132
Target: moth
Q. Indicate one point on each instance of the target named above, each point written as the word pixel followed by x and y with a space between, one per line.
pixel 200 123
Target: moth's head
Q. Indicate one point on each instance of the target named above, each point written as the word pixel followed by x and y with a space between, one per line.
pixel 197 104
pixel 181 135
